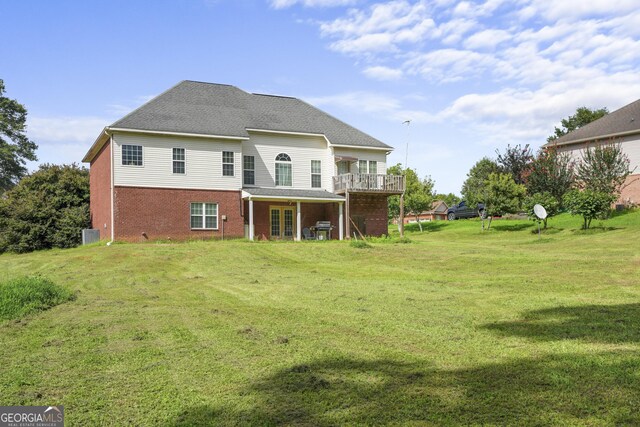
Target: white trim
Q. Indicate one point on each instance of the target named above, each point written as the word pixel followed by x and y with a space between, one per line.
pixel 113 188
pixel 251 231
pixel 285 132
pixel 193 135
pixel 288 198
pixel 204 215
pixel 361 147
pixel 340 222
pixel 298 222
pixel 593 138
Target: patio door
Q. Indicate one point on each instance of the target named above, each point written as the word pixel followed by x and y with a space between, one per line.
pixel 282 222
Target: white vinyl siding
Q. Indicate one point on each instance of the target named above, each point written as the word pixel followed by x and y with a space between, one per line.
pixel 301 150
pixel 630 146
pixel 378 156
pixel 204 155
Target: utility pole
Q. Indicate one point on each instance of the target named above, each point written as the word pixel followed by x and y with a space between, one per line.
pixel 404 179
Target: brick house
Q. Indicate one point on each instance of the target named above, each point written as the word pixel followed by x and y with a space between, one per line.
pixel 437 212
pixel 206 160
pixel 621 126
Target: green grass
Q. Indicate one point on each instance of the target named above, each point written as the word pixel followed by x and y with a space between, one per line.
pixel 452 326
pixel 23 296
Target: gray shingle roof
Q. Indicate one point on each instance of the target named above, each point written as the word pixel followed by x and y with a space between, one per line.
pixel 622 121
pixel 292 193
pixel 216 109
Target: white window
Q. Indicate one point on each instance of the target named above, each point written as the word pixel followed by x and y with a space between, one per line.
pixel 204 216
pixel 179 164
pixel 132 155
pixel 373 167
pixel 283 170
pixel 316 173
pixel 227 163
pixel 343 167
pixel 362 166
pixel 249 170
pixel 370 166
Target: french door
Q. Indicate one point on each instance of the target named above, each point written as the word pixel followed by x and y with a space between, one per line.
pixel 282 222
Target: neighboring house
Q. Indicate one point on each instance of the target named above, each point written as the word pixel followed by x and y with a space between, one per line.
pixel 208 160
pixel 621 126
pixel 438 212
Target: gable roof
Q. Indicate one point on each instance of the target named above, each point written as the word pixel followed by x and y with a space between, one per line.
pixel 211 109
pixel 624 121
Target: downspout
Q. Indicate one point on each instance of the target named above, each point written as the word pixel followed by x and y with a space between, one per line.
pixel 112 187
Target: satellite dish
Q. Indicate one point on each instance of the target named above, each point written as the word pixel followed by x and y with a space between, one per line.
pixel 540 211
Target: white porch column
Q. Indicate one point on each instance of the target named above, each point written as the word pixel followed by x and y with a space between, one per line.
pixel 298 222
pixel 340 222
pixel 250 219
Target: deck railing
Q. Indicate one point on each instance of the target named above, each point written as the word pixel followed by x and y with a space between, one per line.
pixel 368 182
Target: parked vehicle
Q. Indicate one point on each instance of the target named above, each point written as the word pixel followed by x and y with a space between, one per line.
pixel 461 210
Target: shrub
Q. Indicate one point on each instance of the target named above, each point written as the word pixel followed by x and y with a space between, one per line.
pixel 545 199
pixel 47 209
pixel 359 244
pixel 22 296
pixel 588 203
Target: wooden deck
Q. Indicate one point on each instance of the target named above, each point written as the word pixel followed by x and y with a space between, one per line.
pixel 368 183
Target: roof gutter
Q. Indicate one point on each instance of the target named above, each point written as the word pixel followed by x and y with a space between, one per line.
pixel 106 132
pixel 578 141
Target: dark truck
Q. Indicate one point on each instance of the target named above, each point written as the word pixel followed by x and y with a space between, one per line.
pixel 461 210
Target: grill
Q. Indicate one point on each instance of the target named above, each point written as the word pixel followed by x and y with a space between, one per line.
pixel 323 230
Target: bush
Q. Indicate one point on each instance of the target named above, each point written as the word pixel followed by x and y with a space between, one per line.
pixel 547 200
pixel 359 244
pixel 47 209
pixel 588 203
pixel 22 296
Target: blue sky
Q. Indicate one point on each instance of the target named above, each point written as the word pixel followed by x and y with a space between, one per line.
pixel 472 76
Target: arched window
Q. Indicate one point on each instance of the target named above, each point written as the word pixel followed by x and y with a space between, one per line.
pixel 283 170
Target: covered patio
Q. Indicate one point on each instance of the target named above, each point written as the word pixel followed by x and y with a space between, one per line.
pixel 282 214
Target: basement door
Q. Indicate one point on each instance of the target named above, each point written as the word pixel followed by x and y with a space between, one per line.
pixel 282 222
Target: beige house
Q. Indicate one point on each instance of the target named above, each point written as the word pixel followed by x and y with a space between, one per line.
pixel 621 126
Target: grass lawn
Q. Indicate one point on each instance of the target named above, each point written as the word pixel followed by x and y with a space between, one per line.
pixel 456 327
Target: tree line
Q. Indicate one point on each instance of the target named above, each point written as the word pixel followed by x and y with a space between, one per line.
pixel 517 179
pixel 43 210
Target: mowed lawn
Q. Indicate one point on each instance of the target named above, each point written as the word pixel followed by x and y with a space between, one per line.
pixel 458 326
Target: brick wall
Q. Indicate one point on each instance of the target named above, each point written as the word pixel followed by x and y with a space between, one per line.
pixel 373 209
pixel 310 214
pixel 162 213
pixel 100 189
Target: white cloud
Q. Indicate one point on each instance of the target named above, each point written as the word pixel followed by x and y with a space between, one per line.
pixel 448 65
pixel 282 4
pixel 381 28
pixel 486 39
pixel 65 129
pixel 383 73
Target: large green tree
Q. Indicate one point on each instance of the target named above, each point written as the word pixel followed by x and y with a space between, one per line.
pixel 604 168
pixel 551 172
pixel 516 161
pixel 503 194
pixel 15 147
pixel 474 189
pixel 47 209
pixel 418 195
pixel 583 116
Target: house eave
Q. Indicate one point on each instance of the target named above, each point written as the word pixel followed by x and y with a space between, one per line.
pixel 592 138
